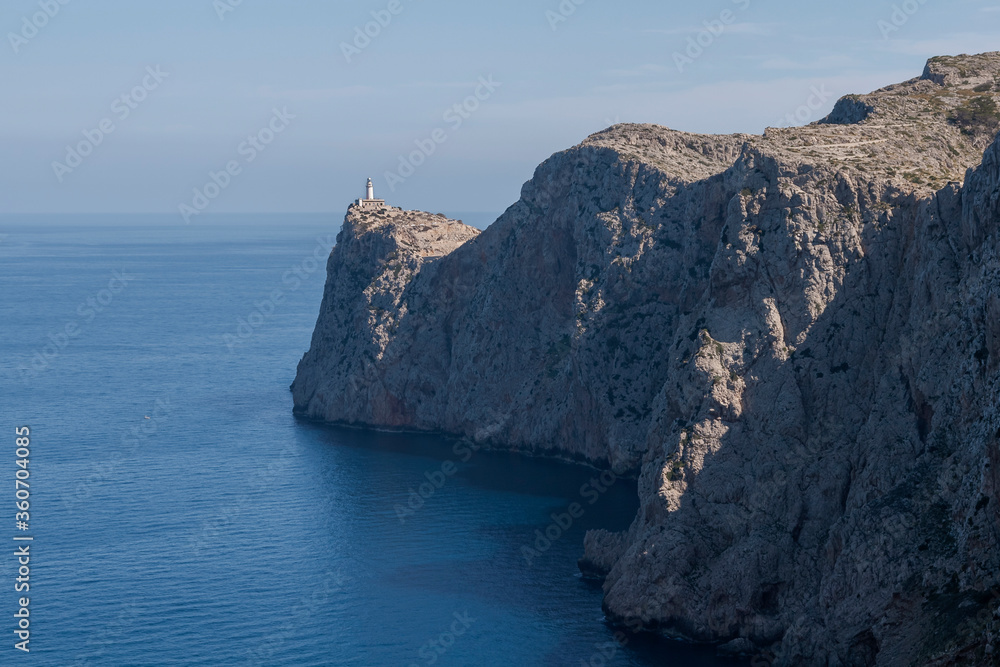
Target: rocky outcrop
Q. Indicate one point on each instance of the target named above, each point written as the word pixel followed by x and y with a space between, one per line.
pixel 792 339
pixel 356 344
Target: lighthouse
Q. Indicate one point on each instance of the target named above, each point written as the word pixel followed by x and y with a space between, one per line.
pixel 369 202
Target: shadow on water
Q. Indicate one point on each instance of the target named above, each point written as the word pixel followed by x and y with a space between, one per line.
pixel 546 586
pixel 496 470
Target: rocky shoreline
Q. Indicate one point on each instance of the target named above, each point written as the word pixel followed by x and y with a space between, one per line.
pixel 793 339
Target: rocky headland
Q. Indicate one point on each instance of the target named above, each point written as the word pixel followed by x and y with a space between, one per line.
pixel 792 339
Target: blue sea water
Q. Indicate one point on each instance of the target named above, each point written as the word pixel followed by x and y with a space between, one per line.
pixel 182 516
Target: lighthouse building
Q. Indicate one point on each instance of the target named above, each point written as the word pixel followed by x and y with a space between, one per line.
pixel 369 202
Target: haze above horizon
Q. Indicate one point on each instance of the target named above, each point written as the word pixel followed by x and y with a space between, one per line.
pixel 141 107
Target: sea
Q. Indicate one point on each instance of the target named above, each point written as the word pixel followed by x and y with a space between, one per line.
pixel 177 513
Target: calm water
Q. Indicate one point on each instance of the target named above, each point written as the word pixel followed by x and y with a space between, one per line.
pixel 220 530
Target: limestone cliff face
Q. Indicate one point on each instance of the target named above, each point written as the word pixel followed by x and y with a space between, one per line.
pixel 356 344
pixel 793 338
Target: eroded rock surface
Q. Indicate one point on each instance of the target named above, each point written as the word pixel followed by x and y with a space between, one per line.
pixel 793 339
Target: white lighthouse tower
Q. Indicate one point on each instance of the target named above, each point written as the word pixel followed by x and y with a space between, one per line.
pixel 369 202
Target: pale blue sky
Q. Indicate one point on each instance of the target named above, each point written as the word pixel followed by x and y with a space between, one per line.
pixel 607 62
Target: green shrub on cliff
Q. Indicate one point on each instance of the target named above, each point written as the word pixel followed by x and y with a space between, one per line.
pixel 979 115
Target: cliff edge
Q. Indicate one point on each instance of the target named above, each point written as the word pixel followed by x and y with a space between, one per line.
pixel 793 339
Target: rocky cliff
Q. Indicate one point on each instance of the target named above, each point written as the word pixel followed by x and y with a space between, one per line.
pixel 793 339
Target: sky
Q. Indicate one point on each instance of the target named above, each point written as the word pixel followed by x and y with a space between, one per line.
pixel 233 106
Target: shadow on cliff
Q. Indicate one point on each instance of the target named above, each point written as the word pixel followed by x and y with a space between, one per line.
pixel 818 499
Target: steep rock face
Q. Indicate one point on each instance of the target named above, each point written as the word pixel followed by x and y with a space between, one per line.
pixel 833 496
pixel 507 339
pixel 378 253
pixel 793 338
